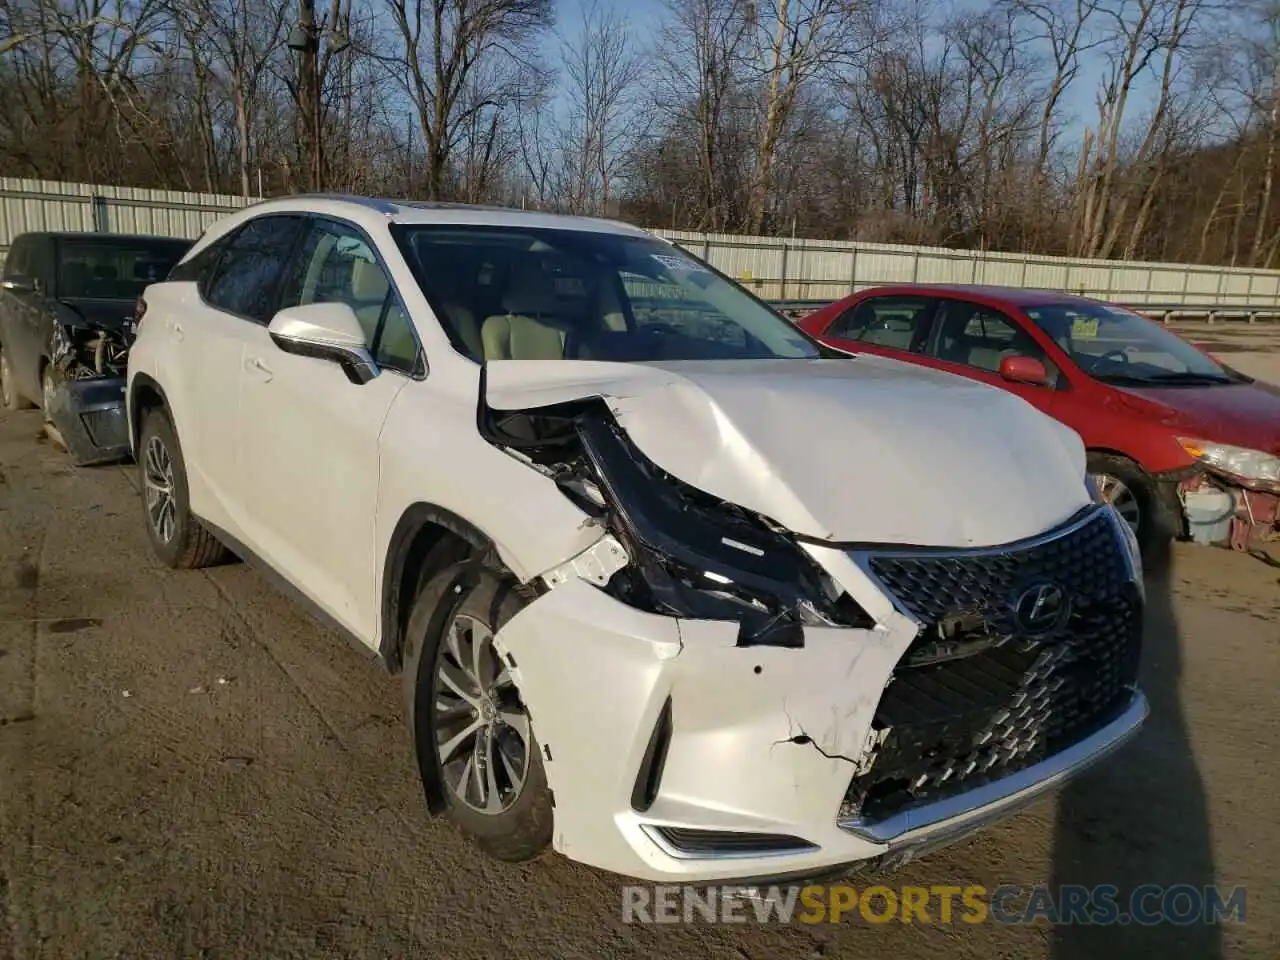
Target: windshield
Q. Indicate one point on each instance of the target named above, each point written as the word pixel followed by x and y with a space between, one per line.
pixel 1116 345
pixel 101 268
pixel 510 293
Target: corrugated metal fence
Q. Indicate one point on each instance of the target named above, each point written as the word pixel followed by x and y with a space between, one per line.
pixel 826 270
pixel 27 205
pixel 772 267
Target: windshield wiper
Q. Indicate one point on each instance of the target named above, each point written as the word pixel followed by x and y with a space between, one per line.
pixel 1123 378
pixel 1189 377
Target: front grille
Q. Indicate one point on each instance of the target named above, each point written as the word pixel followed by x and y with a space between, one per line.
pixel 978 697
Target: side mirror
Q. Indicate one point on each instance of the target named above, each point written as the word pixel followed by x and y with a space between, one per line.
pixel 1024 370
pixel 325 331
pixel 20 284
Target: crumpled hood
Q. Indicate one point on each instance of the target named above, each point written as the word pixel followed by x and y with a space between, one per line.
pixel 868 450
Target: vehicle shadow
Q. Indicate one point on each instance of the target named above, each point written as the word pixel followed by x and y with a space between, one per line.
pixel 1141 818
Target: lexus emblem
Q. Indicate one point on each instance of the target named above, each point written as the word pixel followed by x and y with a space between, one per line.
pixel 1041 609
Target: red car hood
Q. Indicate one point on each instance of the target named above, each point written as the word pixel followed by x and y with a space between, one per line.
pixel 1243 414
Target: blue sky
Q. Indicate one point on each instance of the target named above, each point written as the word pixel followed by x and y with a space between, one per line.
pixel 645 16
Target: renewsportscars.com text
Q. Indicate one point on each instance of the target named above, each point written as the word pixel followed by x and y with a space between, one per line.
pixel 1146 905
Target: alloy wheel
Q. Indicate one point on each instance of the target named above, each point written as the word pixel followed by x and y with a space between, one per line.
pixel 6 380
pixel 157 481
pixel 1114 491
pixel 482 729
pixel 47 388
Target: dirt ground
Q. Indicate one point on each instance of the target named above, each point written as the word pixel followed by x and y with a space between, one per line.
pixel 192 767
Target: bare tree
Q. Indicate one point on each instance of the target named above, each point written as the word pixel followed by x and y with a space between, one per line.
pixel 602 73
pixel 446 46
pixel 1150 36
pixel 904 120
pixel 231 43
pixel 794 42
pixel 701 63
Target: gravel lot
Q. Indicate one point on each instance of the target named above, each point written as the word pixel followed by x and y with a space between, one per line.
pixel 191 767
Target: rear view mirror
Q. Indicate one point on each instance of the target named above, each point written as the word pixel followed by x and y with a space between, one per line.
pixel 325 331
pixel 20 284
pixel 1024 370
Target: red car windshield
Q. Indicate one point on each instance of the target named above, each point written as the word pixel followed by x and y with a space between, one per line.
pixel 1118 346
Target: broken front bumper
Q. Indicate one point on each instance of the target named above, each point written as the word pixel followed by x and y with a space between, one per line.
pixel 747 782
pixel 90 418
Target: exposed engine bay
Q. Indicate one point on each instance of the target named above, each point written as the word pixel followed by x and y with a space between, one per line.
pixel 90 351
pixel 1220 510
pixel 87 408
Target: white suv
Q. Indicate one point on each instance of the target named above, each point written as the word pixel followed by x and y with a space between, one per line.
pixel 673 588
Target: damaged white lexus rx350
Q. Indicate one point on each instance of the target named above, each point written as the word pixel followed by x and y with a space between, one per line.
pixel 673 589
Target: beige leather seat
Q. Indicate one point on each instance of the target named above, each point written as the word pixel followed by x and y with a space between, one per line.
pixel 467 327
pixel 528 330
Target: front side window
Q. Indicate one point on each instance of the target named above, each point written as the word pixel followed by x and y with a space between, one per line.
pixel 335 264
pixel 900 323
pixel 1116 345
pixel 982 337
pixel 512 293
pixel 108 268
pixel 247 280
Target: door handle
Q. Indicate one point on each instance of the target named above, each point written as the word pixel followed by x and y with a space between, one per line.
pixel 255 366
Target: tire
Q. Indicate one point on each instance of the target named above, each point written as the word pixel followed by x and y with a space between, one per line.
pixel 1135 496
pixel 50 377
pixel 466 598
pixel 182 541
pixel 10 398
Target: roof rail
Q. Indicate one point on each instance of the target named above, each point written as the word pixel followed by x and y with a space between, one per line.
pixel 457 205
pixel 388 207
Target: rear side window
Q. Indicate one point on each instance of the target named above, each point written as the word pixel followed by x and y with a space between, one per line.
pixel 113 268
pixel 200 267
pixel 15 264
pixel 247 279
pixel 901 323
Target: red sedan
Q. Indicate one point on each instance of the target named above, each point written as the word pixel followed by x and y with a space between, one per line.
pixel 1166 425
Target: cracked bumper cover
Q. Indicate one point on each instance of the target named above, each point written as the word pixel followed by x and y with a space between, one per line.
pixel 90 417
pixel 764 741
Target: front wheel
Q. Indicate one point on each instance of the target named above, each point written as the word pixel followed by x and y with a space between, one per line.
pixel 10 398
pixel 1133 494
pixel 50 377
pixel 472 733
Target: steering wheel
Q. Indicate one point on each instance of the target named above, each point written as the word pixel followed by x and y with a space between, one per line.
pixel 1118 355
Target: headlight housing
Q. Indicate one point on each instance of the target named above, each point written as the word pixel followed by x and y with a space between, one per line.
pixel 1252 468
pixel 696 556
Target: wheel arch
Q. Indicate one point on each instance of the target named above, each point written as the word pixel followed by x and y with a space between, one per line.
pixel 145 393
pixel 1166 510
pixel 1101 451
pixel 426 539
